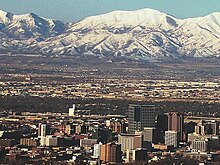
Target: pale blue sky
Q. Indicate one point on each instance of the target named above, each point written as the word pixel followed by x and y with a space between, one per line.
pixel 74 10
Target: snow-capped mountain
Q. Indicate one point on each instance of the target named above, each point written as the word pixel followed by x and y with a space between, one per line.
pixel 138 34
pixel 28 26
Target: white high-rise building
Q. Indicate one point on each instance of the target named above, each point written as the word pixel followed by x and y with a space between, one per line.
pixel 42 130
pixel 171 138
pixel 97 150
pixel 72 110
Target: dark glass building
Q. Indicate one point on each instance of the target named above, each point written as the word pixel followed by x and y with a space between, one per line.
pixel 140 116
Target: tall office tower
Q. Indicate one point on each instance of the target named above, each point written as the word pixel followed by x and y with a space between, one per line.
pixel 162 122
pixel 111 153
pixel 140 116
pixel 43 130
pixel 161 127
pixel 130 141
pixel 72 111
pixel 171 138
pixel 176 123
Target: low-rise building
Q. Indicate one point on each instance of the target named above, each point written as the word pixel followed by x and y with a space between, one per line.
pixel 199 145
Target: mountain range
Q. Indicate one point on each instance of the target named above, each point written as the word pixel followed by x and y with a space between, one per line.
pixel 141 34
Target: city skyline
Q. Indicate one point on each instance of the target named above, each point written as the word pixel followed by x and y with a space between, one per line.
pixel 109 82
pixel 75 10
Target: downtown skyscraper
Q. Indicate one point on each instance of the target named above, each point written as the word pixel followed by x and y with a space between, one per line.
pixel 140 116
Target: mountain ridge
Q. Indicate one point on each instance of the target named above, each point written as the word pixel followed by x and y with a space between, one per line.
pixel 141 34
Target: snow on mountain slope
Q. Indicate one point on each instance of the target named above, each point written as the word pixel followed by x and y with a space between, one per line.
pixel 28 26
pixel 138 34
pixel 119 19
pixel 5 18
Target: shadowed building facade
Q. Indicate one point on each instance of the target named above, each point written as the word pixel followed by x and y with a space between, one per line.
pixel 140 116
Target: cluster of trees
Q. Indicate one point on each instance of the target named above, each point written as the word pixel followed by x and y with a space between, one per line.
pixel 101 106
